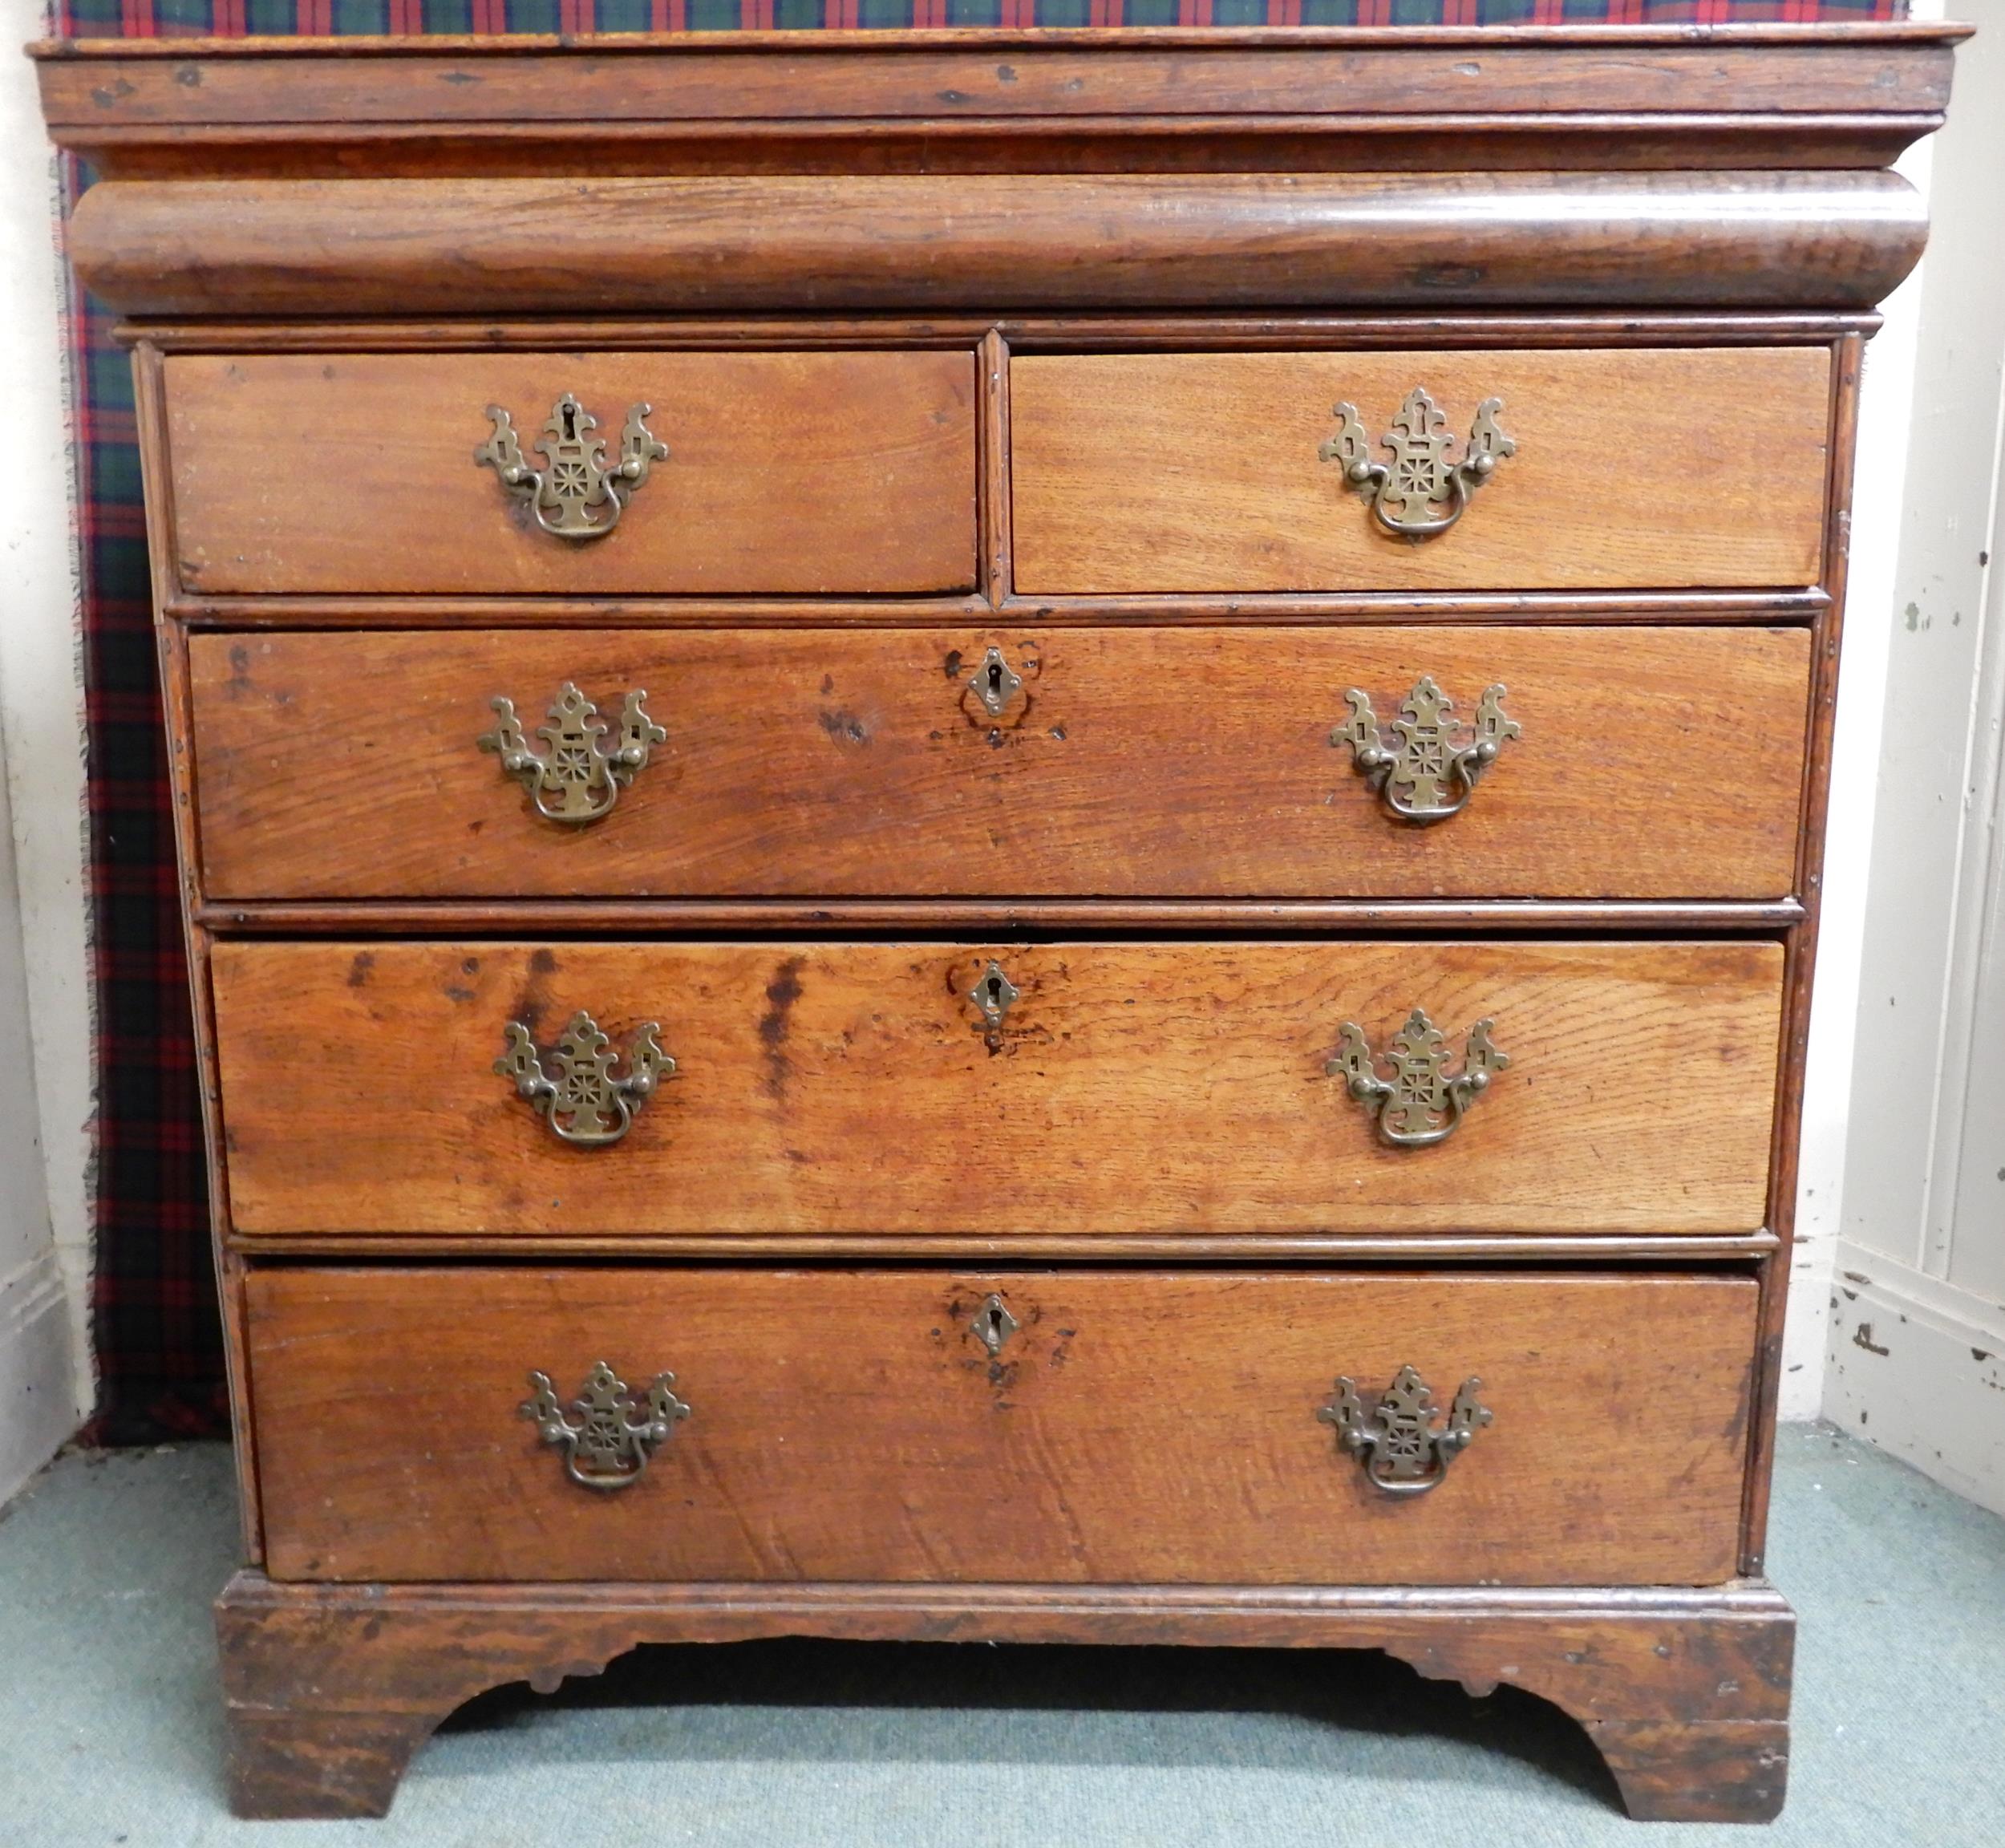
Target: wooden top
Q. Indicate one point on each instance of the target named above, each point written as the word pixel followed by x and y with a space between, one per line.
pixel 1576 130
pixel 98 93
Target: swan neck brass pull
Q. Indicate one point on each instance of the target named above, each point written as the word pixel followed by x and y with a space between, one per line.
pixel 1421 492
pixel 1403 1451
pixel 1421 1102
pixel 1429 768
pixel 576 781
pixel 579 496
pixel 606 1437
pixel 584 1103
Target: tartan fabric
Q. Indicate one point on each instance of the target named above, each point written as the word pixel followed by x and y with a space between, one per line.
pixel 149 18
pixel 155 1324
pixel 157 1330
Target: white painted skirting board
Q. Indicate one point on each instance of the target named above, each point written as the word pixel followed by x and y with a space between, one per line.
pixel 37 1408
pixel 1918 1366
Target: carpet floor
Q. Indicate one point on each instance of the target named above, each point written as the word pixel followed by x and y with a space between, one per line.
pixel 110 1729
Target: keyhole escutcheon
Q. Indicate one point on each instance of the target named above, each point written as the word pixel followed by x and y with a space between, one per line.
pixel 993 994
pixel 993 1323
pixel 995 683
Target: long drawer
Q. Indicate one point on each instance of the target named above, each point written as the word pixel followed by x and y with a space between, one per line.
pixel 782 473
pixel 1664 468
pixel 1111 1427
pixel 1658 763
pixel 1115 1087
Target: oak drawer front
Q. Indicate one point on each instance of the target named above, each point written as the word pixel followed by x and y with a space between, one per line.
pixel 787 473
pixel 1664 468
pixel 1646 764
pixel 858 1087
pixel 1132 1427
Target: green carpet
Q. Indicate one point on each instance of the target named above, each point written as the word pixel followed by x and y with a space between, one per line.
pixel 110 1731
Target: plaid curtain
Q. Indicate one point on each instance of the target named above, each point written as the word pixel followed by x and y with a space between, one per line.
pixel 158 1336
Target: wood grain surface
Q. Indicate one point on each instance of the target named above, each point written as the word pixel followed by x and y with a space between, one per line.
pixel 806 472
pixel 1655 764
pixel 1134 1088
pixel 734 79
pixel 331 1687
pixel 1155 472
pixel 1138 1426
pixel 785 243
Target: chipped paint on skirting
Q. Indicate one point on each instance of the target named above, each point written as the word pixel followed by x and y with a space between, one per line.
pixel 1917 1367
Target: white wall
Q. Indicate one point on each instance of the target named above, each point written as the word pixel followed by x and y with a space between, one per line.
pixel 38 1399
pixel 44 988
pixel 1917 1356
pixel 1885 397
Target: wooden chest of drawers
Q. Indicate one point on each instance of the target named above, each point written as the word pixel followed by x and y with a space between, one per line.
pixel 1002 836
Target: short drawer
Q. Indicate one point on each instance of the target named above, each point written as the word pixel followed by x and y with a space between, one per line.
pixel 1085 1087
pixel 783 473
pixel 1646 763
pixel 1221 472
pixel 1127 1427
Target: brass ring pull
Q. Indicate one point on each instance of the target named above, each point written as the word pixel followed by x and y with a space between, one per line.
pixel 584 1103
pixel 1403 1451
pixel 1427 772
pixel 606 1438
pixel 576 781
pixel 1422 1103
pixel 1421 493
pixel 577 496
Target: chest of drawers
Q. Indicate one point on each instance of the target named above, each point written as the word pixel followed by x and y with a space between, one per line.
pixel 1002 836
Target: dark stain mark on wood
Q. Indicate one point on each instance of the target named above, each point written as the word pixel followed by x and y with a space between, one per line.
pixel 359 970
pixel 782 992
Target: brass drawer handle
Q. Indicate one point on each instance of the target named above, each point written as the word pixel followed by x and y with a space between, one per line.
pixel 584 1103
pixel 1409 496
pixel 1421 1103
pixel 606 1438
pixel 564 495
pixel 576 781
pixel 1427 772
pixel 1402 1450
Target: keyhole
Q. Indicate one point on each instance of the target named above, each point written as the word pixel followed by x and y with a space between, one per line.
pixel 993 1324
pixel 571 424
pixel 995 683
pixel 993 994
